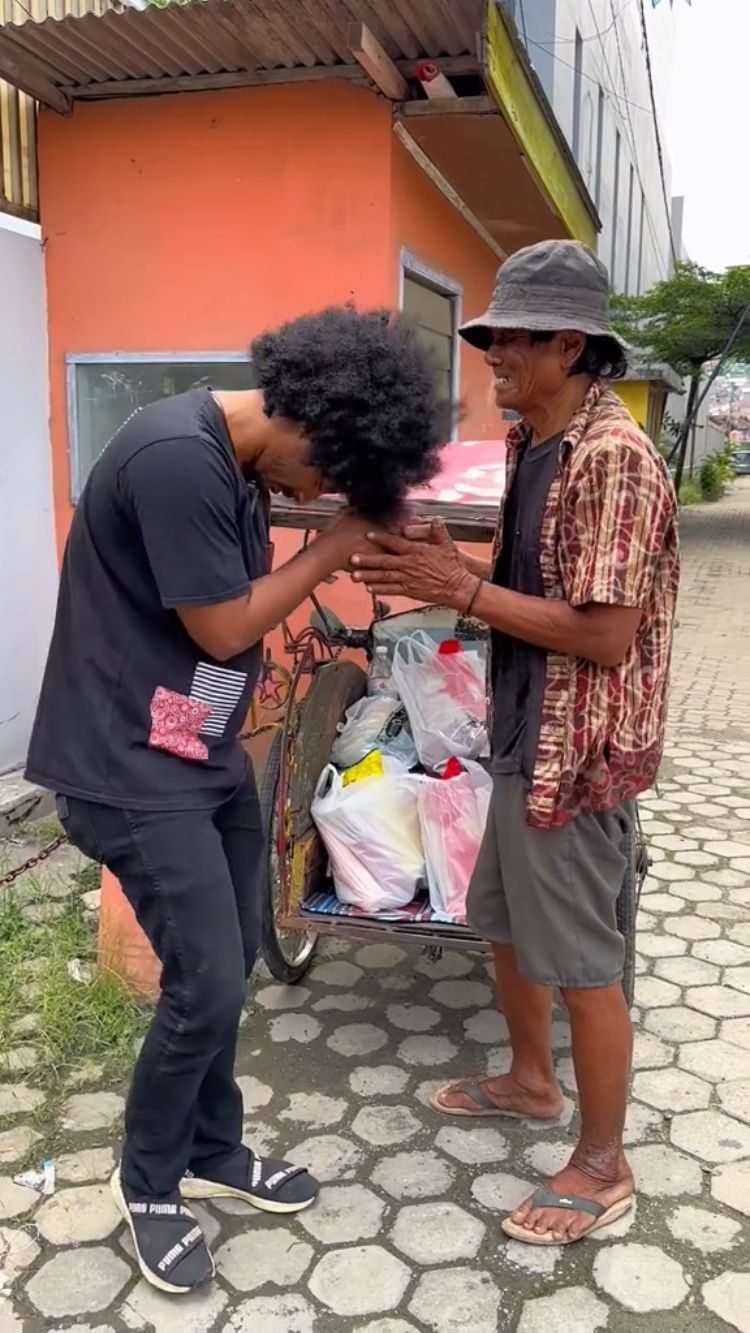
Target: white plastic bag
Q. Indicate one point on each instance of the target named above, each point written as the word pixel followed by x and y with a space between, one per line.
pixel 453 816
pixel 444 696
pixel 374 723
pixel 371 832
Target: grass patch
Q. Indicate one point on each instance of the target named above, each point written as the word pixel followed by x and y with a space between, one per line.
pixel 79 1023
pixel 690 493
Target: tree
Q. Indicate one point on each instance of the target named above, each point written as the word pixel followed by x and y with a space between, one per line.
pixel 690 320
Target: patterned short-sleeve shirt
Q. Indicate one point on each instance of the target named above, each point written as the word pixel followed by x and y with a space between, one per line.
pixel 608 535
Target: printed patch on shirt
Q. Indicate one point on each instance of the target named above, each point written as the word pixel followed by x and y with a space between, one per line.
pixel 221 689
pixel 176 723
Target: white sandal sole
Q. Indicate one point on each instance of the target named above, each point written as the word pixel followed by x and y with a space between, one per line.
pixel 146 1272
pixel 194 1188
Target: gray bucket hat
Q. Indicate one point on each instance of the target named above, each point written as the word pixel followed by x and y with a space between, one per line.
pixel 547 287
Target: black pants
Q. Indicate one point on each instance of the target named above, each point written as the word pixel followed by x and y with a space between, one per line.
pixel 192 878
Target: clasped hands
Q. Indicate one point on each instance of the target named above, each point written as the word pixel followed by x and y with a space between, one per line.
pixel 421 563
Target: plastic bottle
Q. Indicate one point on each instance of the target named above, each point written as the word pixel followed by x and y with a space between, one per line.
pixel 381 679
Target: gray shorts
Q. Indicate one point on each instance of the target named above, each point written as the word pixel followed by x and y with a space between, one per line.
pixel 551 893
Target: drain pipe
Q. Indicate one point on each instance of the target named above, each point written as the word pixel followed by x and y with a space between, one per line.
pixel 434 82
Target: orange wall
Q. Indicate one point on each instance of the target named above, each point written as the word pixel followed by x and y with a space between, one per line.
pixel 193 222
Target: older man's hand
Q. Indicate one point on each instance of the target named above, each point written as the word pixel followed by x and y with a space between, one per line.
pixel 426 571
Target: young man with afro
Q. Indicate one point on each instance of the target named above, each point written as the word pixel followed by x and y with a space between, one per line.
pixel 164 599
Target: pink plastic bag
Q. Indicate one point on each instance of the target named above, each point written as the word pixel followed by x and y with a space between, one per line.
pixel 452 816
pixel 444 696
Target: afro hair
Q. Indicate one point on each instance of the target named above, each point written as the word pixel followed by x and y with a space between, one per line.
pixel 364 387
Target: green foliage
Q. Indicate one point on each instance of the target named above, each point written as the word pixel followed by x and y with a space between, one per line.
pixel 690 492
pixel 688 319
pixel 715 474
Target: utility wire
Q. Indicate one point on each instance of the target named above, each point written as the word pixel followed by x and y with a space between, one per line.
pixel 592 36
pixel 659 151
pixel 590 78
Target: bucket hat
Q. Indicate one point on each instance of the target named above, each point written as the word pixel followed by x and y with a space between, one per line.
pixel 547 287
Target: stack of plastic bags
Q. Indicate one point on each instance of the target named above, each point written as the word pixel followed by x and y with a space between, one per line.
pixel 390 830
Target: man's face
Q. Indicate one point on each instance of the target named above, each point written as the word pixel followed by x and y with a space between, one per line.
pixel 286 467
pixel 530 374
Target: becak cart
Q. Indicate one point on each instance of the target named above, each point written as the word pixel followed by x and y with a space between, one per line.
pixel 300 704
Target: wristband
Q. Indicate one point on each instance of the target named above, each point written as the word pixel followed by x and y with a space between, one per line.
pixel 474 596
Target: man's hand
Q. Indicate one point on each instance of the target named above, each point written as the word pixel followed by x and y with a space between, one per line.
pixel 426 571
pixel 345 535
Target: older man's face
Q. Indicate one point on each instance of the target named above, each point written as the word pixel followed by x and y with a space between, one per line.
pixel 529 374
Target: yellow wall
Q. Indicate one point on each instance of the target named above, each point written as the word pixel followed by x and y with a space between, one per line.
pixel 635 396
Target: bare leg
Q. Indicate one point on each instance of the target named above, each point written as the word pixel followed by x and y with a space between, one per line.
pixel 602 1050
pixel 531 1087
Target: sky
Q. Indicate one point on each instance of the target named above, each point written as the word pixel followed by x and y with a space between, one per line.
pixel 707 125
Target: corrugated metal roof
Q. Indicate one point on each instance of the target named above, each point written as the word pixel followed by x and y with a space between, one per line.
pixel 63 58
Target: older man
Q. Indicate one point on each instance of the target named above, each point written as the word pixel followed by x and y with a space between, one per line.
pixel 579 598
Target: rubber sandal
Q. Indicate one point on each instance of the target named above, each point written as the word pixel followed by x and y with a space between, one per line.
pixel 485 1107
pixel 262 1182
pixel 170 1248
pixel 603 1217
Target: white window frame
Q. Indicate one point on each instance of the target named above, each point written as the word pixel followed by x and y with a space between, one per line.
pixel 75 359
pixel 413 267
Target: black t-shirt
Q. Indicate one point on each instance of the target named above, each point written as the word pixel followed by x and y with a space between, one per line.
pixel 132 712
pixel 518 667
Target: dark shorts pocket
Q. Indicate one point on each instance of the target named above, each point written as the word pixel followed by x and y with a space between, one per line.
pixel 77 822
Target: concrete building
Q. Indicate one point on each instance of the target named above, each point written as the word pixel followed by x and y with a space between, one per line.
pixel 590 57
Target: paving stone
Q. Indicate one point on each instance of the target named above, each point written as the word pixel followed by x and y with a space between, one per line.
pixel 687 971
pixel 92 1110
pixel 345 1003
pixel 461 994
pixel 738 978
pixel 724 953
pixel 691 928
pixel 289 1313
pixel 728 850
pixel 259 1136
pixel 359 1280
pixel 395 982
pixel 10 1321
pixel 548 1158
pixel 344 1213
pixel 15 1143
pixel 84 1213
pixel 386 1326
pixel 662 1173
pixel 660 946
pixel 18 1251
pixel 301 1028
pixel 570 1310
pixel 711 1136
pixel 425 1050
pixel 740 934
pixel 15 1199
pixel 378 1080
pixel 668 871
pixel 541 1260
pixel 385 1126
pixel 640 1122
pixel 314 1109
pixel 19 1060
pixel 671 1090
pixel 680 1024
pixel 734 1030
pixel 275 1257
pixel 383 957
pixel 500 1191
pixel 27 1026
pixel 728 1296
pixel 339 973
pixel 730 912
pixel 735 1098
pixel 488 1027
pixel 650 1053
pixel 449 965
pixel 281 997
pixel 651 993
pixel 255 1094
pixel 696 891
pixel 357 1039
pixel 413 1175
pixel 478 1145
pixel 437 1233
pixel 19 1099
pixel 718 1060
pixel 146 1308
pixel 413 1017
pixel 719 1001
pixel 76 1168
pixel 328 1157
pixel 730 1185
pixel 78 1282
pixel 641 1278
pixel 452 1300
pixel 706 1231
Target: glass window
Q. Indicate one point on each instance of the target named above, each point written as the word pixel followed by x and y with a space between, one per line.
pixel 104 393
pixel 434 311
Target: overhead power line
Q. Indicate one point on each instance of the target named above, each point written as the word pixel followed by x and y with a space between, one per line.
pixel 659 150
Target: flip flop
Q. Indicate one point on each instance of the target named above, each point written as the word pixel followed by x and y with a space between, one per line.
pixel 603 1217
pixel 485 1107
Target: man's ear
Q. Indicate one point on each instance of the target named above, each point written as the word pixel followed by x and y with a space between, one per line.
pixel 572 345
